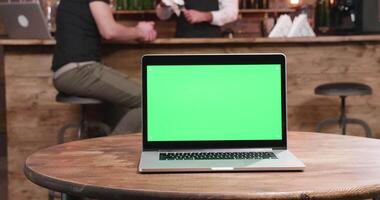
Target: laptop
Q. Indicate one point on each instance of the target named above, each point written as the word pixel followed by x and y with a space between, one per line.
pixel 24 20
pixel 210 113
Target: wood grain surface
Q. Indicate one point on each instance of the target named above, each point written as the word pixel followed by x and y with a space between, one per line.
pixel 337 167
pixel 2 92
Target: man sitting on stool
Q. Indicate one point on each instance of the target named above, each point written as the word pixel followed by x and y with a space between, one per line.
pixel 76 64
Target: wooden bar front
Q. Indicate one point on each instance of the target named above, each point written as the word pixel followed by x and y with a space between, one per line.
pixel 33 117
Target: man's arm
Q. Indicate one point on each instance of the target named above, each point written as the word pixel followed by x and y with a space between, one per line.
pixel 114 31
pixel 195 16
pixel 227 13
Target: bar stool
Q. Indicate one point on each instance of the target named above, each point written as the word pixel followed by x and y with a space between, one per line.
pixel 343 90
pixel 84 125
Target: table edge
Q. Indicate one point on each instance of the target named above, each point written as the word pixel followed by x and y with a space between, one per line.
pixel 73 188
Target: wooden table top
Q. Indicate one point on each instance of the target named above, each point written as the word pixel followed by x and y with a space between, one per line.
pixel 343 167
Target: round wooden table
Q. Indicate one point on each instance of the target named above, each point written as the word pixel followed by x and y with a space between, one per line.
pixel 337 167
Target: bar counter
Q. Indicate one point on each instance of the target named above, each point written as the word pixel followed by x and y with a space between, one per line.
pixel 175 41
pixel 33 117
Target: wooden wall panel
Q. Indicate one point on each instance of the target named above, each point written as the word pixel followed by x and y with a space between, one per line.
pixel 308 66
pixel 3 142
pixel 2 92
pixel 33 116
pixel 2 28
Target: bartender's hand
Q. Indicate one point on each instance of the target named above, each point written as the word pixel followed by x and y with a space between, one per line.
pixel 146 31
pixel 194 16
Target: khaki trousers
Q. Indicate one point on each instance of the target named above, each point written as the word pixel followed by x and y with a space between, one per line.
pixel 98 81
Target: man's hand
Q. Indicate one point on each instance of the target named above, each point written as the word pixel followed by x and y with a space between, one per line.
pixel 146 31
pixel 114 31
pixel 194 16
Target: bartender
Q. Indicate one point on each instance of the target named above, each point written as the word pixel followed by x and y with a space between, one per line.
pixel 199 18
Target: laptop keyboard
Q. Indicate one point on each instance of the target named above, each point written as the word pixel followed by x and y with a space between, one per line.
pixel 217 156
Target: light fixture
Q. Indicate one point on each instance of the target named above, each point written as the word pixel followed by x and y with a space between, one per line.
pixel 294 2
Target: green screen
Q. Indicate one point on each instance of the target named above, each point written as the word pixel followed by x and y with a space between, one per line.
pixel 214 102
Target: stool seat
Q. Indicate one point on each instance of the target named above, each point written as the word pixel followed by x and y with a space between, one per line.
pixel 85 124
pixel 343 89
pixel 65 98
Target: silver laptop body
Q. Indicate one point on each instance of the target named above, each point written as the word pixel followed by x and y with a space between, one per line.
pixel 210 155
pixel 24 20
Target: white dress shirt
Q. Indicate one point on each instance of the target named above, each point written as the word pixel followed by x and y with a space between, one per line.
pixel 228 12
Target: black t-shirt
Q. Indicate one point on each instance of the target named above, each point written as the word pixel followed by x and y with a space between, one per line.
pixel 78 38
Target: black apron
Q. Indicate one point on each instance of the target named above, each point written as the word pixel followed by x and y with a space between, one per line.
pixel 200 30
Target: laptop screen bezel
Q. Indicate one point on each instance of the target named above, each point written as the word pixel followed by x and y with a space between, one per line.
pixel 214 59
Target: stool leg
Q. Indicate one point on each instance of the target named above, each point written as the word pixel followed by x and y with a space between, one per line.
pixel 326 122
pixel 362 123
pixel 61 131
pixel 343 117
pixel 83 133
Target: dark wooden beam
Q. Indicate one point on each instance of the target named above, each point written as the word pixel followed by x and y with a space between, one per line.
pixel 3 136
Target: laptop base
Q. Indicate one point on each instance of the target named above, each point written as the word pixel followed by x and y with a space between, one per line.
pixel 150 163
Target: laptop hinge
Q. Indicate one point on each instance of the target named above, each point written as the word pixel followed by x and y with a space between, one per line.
pixel 216 150
pixel 254 149
pixel 279 148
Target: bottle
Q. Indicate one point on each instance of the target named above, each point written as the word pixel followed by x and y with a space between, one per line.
pixel 256 4
pixel 144 4
pixel 327 13
pixel 247 4
pixel 119 4
pixel 147 4
pixel 251 4
pixel 265 4
pixel 138 4
pixel 322 18
pixel 260 4
pixel 130 5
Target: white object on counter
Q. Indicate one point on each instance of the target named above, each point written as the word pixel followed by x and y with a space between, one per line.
pixel 282 27
pixel 301 27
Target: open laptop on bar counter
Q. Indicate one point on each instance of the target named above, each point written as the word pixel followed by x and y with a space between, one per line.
pixel 24 20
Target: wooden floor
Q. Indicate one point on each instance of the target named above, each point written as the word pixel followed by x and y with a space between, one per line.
pixel 3 168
